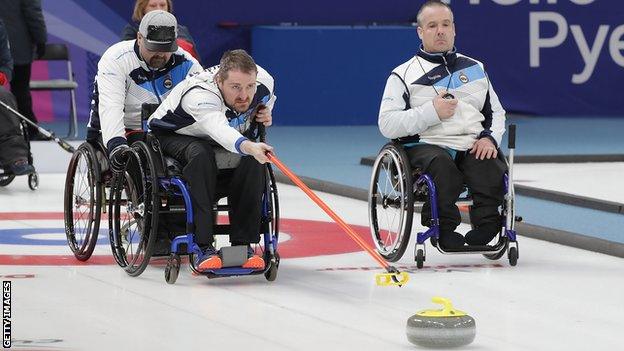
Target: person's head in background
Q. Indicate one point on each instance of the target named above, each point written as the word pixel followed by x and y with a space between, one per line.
pixel 156 38
pixel 141 7
pixel 436 26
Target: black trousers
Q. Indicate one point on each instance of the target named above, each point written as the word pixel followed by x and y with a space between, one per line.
pixel 20 87
pixel 243 187
pixel 484 179
pixel 13 146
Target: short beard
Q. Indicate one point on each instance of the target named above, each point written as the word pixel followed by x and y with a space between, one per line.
pixel 157 62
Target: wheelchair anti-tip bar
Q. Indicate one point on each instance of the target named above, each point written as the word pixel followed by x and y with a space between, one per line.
pixel 393 277
pixel 62 143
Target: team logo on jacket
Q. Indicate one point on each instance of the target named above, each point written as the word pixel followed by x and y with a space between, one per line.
pixel 463 77
pixel 168 83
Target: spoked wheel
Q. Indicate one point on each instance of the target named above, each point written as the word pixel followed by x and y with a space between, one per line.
pixel 391 202
pixel 133 220
pixel 6 179
pixel 172 269
pixel 270 227
pixel 82 202
pixel 33 181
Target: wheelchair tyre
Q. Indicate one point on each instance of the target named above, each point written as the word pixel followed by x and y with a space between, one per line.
pixel 172 269
pixel 513 256
pixel 33 181
pixel 6 179
pixel 271 273
pixel 133 218
pixel 420 258
pixel 269 221
pixel 82 202
pixel 391 202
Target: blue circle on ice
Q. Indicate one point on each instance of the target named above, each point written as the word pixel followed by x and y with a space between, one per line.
pixel 40 236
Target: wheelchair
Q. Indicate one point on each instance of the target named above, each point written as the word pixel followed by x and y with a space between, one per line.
pixel 150 203
pixel 396 191
pixel 6 176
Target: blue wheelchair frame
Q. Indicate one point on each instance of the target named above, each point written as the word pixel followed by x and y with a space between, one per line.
pixel 270 239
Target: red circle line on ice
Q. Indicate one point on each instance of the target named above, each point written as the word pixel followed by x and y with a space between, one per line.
pixel 307 238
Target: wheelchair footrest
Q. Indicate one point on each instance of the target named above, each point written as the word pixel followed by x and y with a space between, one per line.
pixel 234 256
pixel 474 248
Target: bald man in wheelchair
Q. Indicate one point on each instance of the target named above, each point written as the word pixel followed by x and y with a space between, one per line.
pixel 441 106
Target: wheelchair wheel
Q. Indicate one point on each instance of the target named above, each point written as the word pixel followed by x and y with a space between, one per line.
pixel 82 202
pixel 420 258
pixel 133 218
pixel 271 273
pixel 513 256
pixel 6 179
pixel 172 269
pixel 391 202
pixel 269 226
pixel 33 181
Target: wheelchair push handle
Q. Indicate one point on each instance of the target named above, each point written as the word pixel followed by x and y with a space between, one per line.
pixel 511 144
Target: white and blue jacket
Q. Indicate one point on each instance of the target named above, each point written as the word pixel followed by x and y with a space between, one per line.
pixel 407 112
pixel 196 107
pixel 124 82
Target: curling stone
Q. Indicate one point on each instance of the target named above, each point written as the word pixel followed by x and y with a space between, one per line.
pixel 446 327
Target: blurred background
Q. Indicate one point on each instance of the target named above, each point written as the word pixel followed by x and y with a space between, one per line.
pixel 331 58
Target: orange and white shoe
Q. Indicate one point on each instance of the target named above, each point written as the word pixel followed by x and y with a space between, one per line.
pixel 254 262
pixel 210 260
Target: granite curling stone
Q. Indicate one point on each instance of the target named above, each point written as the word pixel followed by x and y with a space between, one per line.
pixel 442 328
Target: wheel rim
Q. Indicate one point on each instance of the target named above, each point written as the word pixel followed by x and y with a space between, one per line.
pixel 133 213
pixel 6 179
pixel 81 206
pixel 270 220
pixel 388 203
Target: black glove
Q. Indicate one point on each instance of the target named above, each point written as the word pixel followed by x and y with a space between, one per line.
pixel 41 48
pixel 118 158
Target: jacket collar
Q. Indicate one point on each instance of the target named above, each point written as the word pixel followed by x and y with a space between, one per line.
pixel 447 58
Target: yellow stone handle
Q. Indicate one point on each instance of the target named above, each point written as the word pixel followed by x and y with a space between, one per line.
pixel 447 309
pixel 448 306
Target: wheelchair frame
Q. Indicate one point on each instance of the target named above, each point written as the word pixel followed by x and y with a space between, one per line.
pixel 393 162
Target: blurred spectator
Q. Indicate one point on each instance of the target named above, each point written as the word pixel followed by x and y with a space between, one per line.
pixel 26 28
pixel 141 7
pixel 13 147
